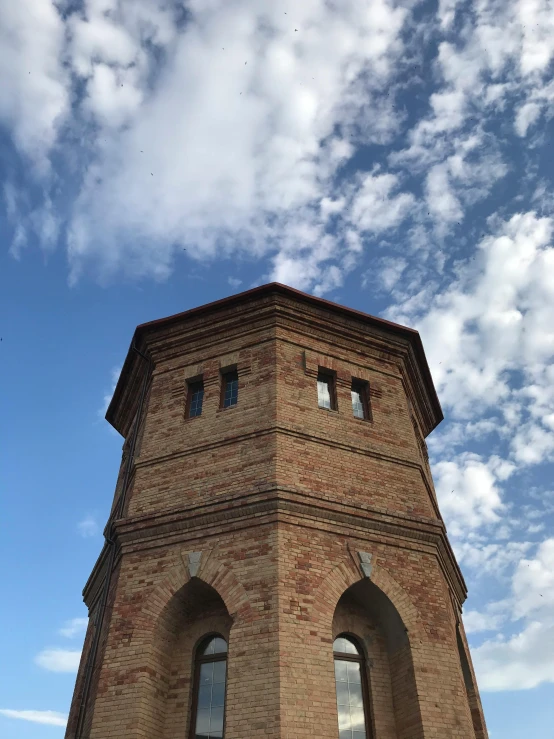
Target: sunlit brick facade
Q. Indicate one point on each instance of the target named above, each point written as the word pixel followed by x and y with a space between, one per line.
pixel 276 525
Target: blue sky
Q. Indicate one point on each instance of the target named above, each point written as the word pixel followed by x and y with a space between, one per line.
pixel 393 156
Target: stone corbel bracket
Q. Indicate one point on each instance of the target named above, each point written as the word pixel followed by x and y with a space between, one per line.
pixel 194 563
pixel 365 563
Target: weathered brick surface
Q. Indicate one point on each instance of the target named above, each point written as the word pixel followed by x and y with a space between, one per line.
pixel 279 496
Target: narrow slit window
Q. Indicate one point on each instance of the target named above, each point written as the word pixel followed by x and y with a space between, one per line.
pixel 195 398
pixel 326 391
pixel 229 389
pixel 360 399
pixel 210 674
pixel 352 689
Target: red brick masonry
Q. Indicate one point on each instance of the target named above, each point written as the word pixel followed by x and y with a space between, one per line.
pixel 279 497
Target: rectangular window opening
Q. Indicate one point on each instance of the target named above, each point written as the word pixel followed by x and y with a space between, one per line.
pixel 195 398
pixel 326 391
pixel 229 388
pixel 360 400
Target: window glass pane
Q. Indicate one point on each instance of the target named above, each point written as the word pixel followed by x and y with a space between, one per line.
pixel 211 695
pixel 218 694
pixel 203 722
pixel 357 720
pixel 340 671
pixel 323 392
pixel 216 720
pixel 231 392
pixel 217 645
pixel 344 718
pixel 344 645
pixel 204 696
pixel 196 391
pixel 355 697
pixel 343 696
pixel 220 645
pixel 219 671
pixel 350 704
pixel 206 673
pixel 354 675
pixel 357 403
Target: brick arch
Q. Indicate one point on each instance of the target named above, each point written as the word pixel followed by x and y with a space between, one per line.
pixel 220 577
pixel 211 571
pixel 346 574
pixel 158 631
pixel 398 712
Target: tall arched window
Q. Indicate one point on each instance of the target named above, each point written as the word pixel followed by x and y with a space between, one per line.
pixel 352 690
pixel 208 706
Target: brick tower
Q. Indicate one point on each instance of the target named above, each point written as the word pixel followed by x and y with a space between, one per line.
pixel 275 562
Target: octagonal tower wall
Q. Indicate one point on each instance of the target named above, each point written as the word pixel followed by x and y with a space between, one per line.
pixel 303 522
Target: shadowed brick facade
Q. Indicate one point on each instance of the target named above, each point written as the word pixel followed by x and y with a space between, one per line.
pixel 279 525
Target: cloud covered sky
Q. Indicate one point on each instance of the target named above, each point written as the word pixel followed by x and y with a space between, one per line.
pixel 393 156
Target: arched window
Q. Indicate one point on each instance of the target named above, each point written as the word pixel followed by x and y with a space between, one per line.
pixel 352 692
pixel 208 706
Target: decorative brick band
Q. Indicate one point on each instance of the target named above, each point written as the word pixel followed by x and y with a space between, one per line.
pixel 244 511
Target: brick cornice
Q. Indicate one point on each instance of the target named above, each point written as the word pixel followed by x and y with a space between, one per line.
pixel 276 503
pixel 92 589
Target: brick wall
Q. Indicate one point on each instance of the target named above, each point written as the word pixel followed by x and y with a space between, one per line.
pixel 280 496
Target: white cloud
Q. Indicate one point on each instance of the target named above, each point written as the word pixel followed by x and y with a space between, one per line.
pixel 476 621
pixel 375 208
pixel 457 433
pixel 74 627
pixel 524 659
pixel 535 528
pixel 51 718
pixel 510 37
pixel 468 490
pixel 537 25
pixel 113 102
pixel 491 558
pixel 441 200
pixel 88 527
pixel 390 271
pixel 526 116
pixel 533 583
pixel 447 11
pixel 59 660
pixel 520 662
pixel 34 95
pixel 166 170
pixel 492 321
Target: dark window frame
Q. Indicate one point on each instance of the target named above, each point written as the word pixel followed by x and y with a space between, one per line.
pixel 198 661
pixel 224 374
pixel 324 374
pixel 362 387
pixel 361 659
pixel 193 385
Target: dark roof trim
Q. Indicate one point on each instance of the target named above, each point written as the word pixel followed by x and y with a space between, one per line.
pixel 277 287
